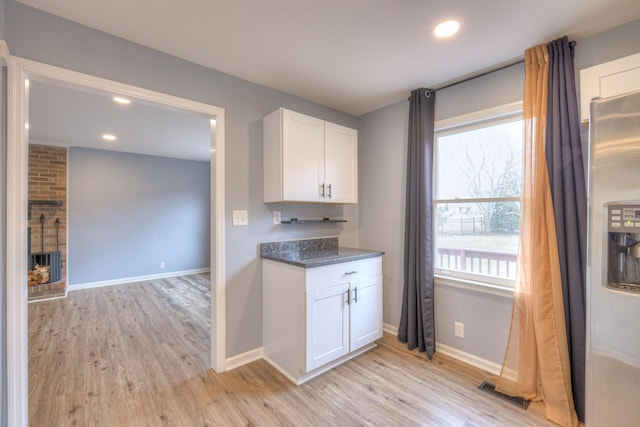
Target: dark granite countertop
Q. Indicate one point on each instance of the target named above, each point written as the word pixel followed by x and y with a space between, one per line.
pixel 311 253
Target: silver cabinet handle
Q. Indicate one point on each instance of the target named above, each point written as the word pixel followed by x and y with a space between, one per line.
pixel 322 190
pixel 329 194
pixel 348 294
pixel 350 272
pixel 355 294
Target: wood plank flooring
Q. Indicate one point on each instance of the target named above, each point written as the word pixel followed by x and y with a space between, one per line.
pixel 137 355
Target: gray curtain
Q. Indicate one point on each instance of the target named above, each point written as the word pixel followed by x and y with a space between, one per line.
pixel 417 322
pixel 568 188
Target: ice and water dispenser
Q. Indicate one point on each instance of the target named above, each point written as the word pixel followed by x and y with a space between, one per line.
pixel 623 226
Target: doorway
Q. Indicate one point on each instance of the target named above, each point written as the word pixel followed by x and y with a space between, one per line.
pixel 21 72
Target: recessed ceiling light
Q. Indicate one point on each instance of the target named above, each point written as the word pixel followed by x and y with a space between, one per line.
pixel 108 137
pixel 121 100
pixel 26 126
pixel 446 29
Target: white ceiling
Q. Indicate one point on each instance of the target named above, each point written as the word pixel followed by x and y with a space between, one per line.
pixel 71 116
pixel 351 55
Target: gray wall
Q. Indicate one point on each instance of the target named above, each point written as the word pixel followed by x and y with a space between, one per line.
pixel 128 212
pixel 383 136
pixel 383 140
pixel 382 177
pixel 43 37
pixel 37 35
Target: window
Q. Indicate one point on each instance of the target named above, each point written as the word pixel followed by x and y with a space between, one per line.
pixel 478 181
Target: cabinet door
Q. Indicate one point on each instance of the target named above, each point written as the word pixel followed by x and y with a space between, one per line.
pixel 302 157
pixel 366 311
pixel 609 79
pixel 341 163
pixel 328 325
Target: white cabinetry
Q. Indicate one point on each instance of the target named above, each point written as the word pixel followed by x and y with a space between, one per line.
pixel 314 319
pixel 366 297
pixel 608 79
pixel 308 159
pixel 341 163
pixel 327 325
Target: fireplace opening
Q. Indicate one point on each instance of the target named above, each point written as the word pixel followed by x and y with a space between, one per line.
pixel 45 267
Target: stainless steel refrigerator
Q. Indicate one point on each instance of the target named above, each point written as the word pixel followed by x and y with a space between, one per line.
pixel 613 276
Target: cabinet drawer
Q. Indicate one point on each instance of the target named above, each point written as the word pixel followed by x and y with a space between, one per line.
pixel 343 272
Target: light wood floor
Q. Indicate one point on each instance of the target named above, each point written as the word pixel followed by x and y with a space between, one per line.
pixel 137 355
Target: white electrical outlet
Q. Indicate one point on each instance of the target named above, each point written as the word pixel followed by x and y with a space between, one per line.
pixel 277 218
pixel 458 329
pixel 161 264
pixel 240 218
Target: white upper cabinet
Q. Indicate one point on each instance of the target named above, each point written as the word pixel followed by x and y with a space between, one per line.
pixel 302 157
pixel 308 159
pixel 341 163
pixel 608 79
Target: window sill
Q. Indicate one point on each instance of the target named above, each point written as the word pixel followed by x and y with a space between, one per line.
pixel 471 285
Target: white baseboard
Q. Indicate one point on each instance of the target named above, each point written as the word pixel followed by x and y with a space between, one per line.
pixel 124 280
pixel 244 358
pixel 390 329
pixel 45 299
pixel 468 358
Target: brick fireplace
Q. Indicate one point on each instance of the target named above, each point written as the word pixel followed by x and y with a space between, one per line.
pixel 47 221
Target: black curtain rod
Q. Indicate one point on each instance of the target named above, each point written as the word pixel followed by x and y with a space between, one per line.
pixel 521 61
pixel 571 43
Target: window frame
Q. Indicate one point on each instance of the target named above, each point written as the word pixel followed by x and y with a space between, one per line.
pixel 479 119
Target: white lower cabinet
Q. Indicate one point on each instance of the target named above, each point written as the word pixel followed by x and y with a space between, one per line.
pixel 314 319
pixel 366 312
pixel 327 325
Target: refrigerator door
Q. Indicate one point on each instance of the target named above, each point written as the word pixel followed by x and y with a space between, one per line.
pixel 613 316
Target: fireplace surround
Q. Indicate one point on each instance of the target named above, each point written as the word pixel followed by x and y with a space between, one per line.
pixel 47 221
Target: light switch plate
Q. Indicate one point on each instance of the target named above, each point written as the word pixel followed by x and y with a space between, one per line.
pixel 277 218
pixel 240 218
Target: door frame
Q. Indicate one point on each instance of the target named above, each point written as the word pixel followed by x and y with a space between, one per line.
pixel 20 70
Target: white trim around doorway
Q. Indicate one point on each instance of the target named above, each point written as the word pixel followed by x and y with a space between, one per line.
pixel 19 71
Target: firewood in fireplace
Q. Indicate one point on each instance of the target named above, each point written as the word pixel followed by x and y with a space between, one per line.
pixel 39 275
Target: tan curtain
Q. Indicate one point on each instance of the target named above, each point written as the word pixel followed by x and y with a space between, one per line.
pixel 536 364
